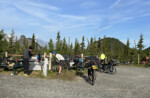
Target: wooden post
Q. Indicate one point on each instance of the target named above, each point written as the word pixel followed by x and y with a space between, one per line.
pixel 44 60
pixel 82 56
pixel 45 67
pixel 6 54
pixel 50 61
pixel 44 56
pixel 138 59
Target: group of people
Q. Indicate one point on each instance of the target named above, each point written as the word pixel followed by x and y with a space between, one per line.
pixel 59 58
pixel 27 55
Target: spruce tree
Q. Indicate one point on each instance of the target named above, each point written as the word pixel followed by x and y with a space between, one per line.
pixel 77 47
pixel 71 49
pixel 135 53
pixel 11 42
pixel 99 46
pixel 127 50
pixel 60 46
pixel 33 41
pixel 64 47
pixel 51 45
pixel 24 46
pixel 82 45
pixel 1 42
pixel 95 47
pixel 36 48
pixel 140 45
pixel 91 46
pixel 5 45
pixel 58 43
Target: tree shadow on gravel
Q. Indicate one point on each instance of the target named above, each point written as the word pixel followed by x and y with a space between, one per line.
pixel 81 74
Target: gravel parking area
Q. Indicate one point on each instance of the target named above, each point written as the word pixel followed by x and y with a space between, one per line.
pixel 128 82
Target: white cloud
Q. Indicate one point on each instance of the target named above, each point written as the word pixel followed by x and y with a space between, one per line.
pixel 126 18
pixel 130 3
pixel 115 4
pixel 9 18
pixel 72 17
pixel 145 15
pixel 67 21
pixel 33 11
pixel 43 18
pixel 104 28
pixel 55 17
pixel 41 5
pixel 119 19
pixel 34 24
pixel 88 4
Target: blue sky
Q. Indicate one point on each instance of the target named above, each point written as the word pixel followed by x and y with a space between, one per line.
pixel 120 19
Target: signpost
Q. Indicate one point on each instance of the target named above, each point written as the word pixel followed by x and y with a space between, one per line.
pixel 50 61
pixel 45 67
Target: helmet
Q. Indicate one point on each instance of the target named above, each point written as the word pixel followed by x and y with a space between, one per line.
pixel 53 52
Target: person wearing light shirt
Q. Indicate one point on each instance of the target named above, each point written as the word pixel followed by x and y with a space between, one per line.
pixel 60 59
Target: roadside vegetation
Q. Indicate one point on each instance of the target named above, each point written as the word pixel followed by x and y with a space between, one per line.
pixel 111 47
pixel 66 75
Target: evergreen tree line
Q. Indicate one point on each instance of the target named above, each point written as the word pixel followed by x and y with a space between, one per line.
pixel 111 47
pixel 13 46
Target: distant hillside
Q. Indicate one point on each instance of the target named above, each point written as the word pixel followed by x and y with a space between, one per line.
pixel 113 47
pixel 113 44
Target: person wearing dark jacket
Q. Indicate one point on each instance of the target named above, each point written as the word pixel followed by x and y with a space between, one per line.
pixel 26 57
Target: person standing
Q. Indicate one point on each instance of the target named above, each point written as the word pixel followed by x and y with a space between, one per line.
pixel 26 57
pixel 60 59
pixel 102 58
pixel 39 58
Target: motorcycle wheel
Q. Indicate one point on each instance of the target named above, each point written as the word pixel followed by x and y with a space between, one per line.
pixel 113 70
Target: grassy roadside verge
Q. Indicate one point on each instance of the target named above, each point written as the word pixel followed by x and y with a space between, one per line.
pixel 66 75
pixel 136 65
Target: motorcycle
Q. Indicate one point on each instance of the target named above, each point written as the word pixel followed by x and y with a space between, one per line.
pixel 110 67
pixel 92 66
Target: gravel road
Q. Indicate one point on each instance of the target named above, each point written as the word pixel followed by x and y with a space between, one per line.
pixel 128 82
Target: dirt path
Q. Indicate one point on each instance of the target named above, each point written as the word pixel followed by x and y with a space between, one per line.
pixel 128 82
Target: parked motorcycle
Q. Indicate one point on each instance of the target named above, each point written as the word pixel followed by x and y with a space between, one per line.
pixel 110 67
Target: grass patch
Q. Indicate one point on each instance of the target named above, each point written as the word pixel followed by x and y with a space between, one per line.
pixel 136 65
pixel 66 75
